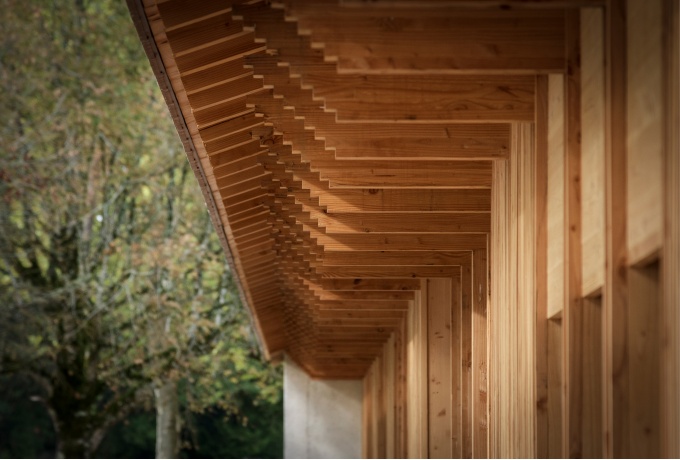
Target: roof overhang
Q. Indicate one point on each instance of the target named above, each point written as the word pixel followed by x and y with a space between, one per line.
pixel 345 150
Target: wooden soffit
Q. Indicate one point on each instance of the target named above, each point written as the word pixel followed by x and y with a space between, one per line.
pixel 345 150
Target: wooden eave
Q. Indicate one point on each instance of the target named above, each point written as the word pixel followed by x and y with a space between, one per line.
pixel 345 149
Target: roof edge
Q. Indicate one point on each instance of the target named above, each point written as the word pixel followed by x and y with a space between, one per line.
pixel 146 36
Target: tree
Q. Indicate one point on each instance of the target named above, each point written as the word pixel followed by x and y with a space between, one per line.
pixel 112 281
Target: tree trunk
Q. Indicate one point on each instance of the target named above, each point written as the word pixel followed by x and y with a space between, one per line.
pixel 167 420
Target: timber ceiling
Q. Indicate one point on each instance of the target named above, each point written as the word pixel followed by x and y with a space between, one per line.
pixel 347 148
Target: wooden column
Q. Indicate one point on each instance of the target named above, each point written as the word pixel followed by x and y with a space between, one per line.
pixel 670 269
pixel 439 380
pixel 573 353
pixel 417 414
pixel 615 296
pixel 466 361
pixel 479 354
pixel 542 395
pixel 512 310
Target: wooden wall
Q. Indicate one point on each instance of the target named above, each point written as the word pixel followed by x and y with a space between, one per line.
pixel 606 257
pixel 439 408
pixel 578 354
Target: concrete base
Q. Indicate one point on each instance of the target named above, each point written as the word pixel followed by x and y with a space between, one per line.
pixel 322 418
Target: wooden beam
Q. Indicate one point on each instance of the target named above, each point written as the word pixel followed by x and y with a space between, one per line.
pixel 404 223
pixel 395 258
pixel 371 284
pixel 473 141
pixel 403 242
pixel 372 40
pixel 425 98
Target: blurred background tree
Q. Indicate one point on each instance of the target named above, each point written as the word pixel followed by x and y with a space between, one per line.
pixel 115 297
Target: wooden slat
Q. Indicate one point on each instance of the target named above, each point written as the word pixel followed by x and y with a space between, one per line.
pixel 479 356
pixel 386 272
pixel 555 196
pixel 424 98
pixel 372 40
pixel 404 223
pixel 432 141
pixel 175 13
pixel 439 367
pixel 403 242
pixel 366 296
pixel 371 284
pixel 417 200
pixel 375 258
pixel 406 174
pixel 573 301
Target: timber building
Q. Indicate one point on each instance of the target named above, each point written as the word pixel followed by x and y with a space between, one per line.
pixel 457 221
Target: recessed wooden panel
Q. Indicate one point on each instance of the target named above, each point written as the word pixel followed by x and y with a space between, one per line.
pixel 645 129
pixel 644 322
pixel 592 149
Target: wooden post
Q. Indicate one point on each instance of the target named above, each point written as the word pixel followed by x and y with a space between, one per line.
pixel 572 259
pixel 615 296
pixel 541 350
pixel 439 367
pixel 479 355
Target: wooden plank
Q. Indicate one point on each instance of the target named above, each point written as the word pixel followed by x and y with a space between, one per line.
pixel 479 354
pixel 542 178
pixel 417 436
pixel 367 416
pixel 175 13
pixel 556 197
pixel 573 302
pixel 414 200
pixel 436 222
pixel 645 100
pixel 397 242
pixel 592 149
pixel 359 313
pixel 440 403
pixel 392 258
pixel 371 284
pixel 591 379
pixel 386 272
pixel 526 289
pixel 388 372
pixel 644 322
pixel 456 367
pixel 403 141
pixel 425 98
pixel 512 280
pixel 402 174
pixel 554 346
pixel 466 361
pixel 615 298
pixel 212 29
pixel 411 40
pixel 366 296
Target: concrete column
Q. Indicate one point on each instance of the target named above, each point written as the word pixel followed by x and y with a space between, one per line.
pixel 322 418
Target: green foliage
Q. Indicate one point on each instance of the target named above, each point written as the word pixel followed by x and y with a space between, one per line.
pixel 111 276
